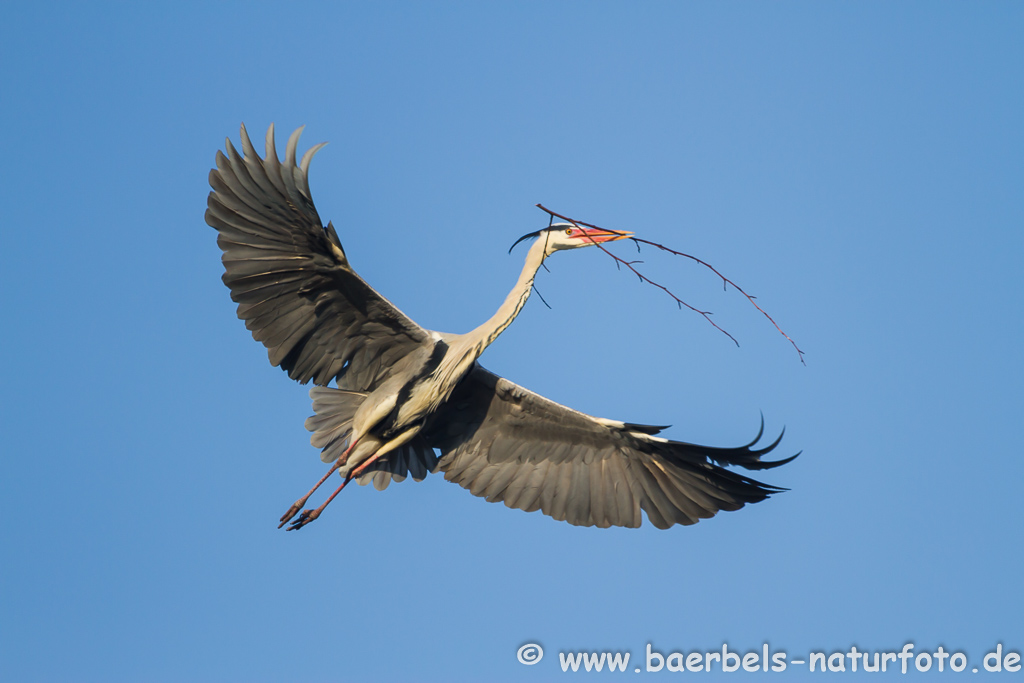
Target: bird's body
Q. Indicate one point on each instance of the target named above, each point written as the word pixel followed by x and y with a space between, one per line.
pixel 401 390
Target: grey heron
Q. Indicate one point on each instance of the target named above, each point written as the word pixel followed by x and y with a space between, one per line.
pixel 402 392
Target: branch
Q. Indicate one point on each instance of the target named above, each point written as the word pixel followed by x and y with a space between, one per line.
pixel 643 278
pixel 679 302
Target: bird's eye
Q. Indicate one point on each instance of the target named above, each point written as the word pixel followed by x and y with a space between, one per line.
pixel 568 231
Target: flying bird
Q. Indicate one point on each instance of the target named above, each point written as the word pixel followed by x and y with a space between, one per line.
pixel 402 392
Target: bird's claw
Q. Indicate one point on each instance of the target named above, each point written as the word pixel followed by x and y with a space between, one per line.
pixel 305 518
pixel 292 511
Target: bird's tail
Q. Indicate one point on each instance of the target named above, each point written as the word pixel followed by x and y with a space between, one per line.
pixel 331 425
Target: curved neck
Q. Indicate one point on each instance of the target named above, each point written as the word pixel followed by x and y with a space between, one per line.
pixel 514 302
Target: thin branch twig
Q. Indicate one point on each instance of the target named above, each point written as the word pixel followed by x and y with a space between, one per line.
pixel 679 302
pixel 643 278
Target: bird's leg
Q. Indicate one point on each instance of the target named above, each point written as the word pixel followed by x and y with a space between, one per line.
pixel 294 509
pixel 308 516
pixel 302 501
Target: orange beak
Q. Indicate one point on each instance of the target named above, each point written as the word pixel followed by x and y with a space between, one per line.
pixel 599 235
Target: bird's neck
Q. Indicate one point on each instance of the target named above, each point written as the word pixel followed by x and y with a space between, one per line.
pixel 465 349
pixel 514 302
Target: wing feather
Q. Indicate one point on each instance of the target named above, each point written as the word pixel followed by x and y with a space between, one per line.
pixel 599 499
pixel 531 500
pixel 654 502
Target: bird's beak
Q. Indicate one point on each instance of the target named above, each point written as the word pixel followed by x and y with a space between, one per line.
pixel 586 236
pixel 598 235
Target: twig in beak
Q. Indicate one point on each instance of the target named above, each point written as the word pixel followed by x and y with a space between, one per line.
pixel 679 302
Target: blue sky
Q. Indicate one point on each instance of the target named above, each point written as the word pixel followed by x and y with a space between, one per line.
pixel 858 167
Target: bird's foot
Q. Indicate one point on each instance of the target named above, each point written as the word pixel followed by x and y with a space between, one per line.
pixel 308 516
pixel 293 510
pixel 305 518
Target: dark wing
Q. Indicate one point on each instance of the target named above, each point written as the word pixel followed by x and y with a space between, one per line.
pixel 294 287
pixel 505 443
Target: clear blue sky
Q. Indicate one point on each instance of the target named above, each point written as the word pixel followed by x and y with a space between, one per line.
pixel 859 167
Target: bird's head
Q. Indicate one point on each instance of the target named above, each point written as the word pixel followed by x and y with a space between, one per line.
pixel 559 236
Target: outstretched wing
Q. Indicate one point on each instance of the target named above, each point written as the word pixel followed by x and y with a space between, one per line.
pixel 505 443
pixel 290 277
